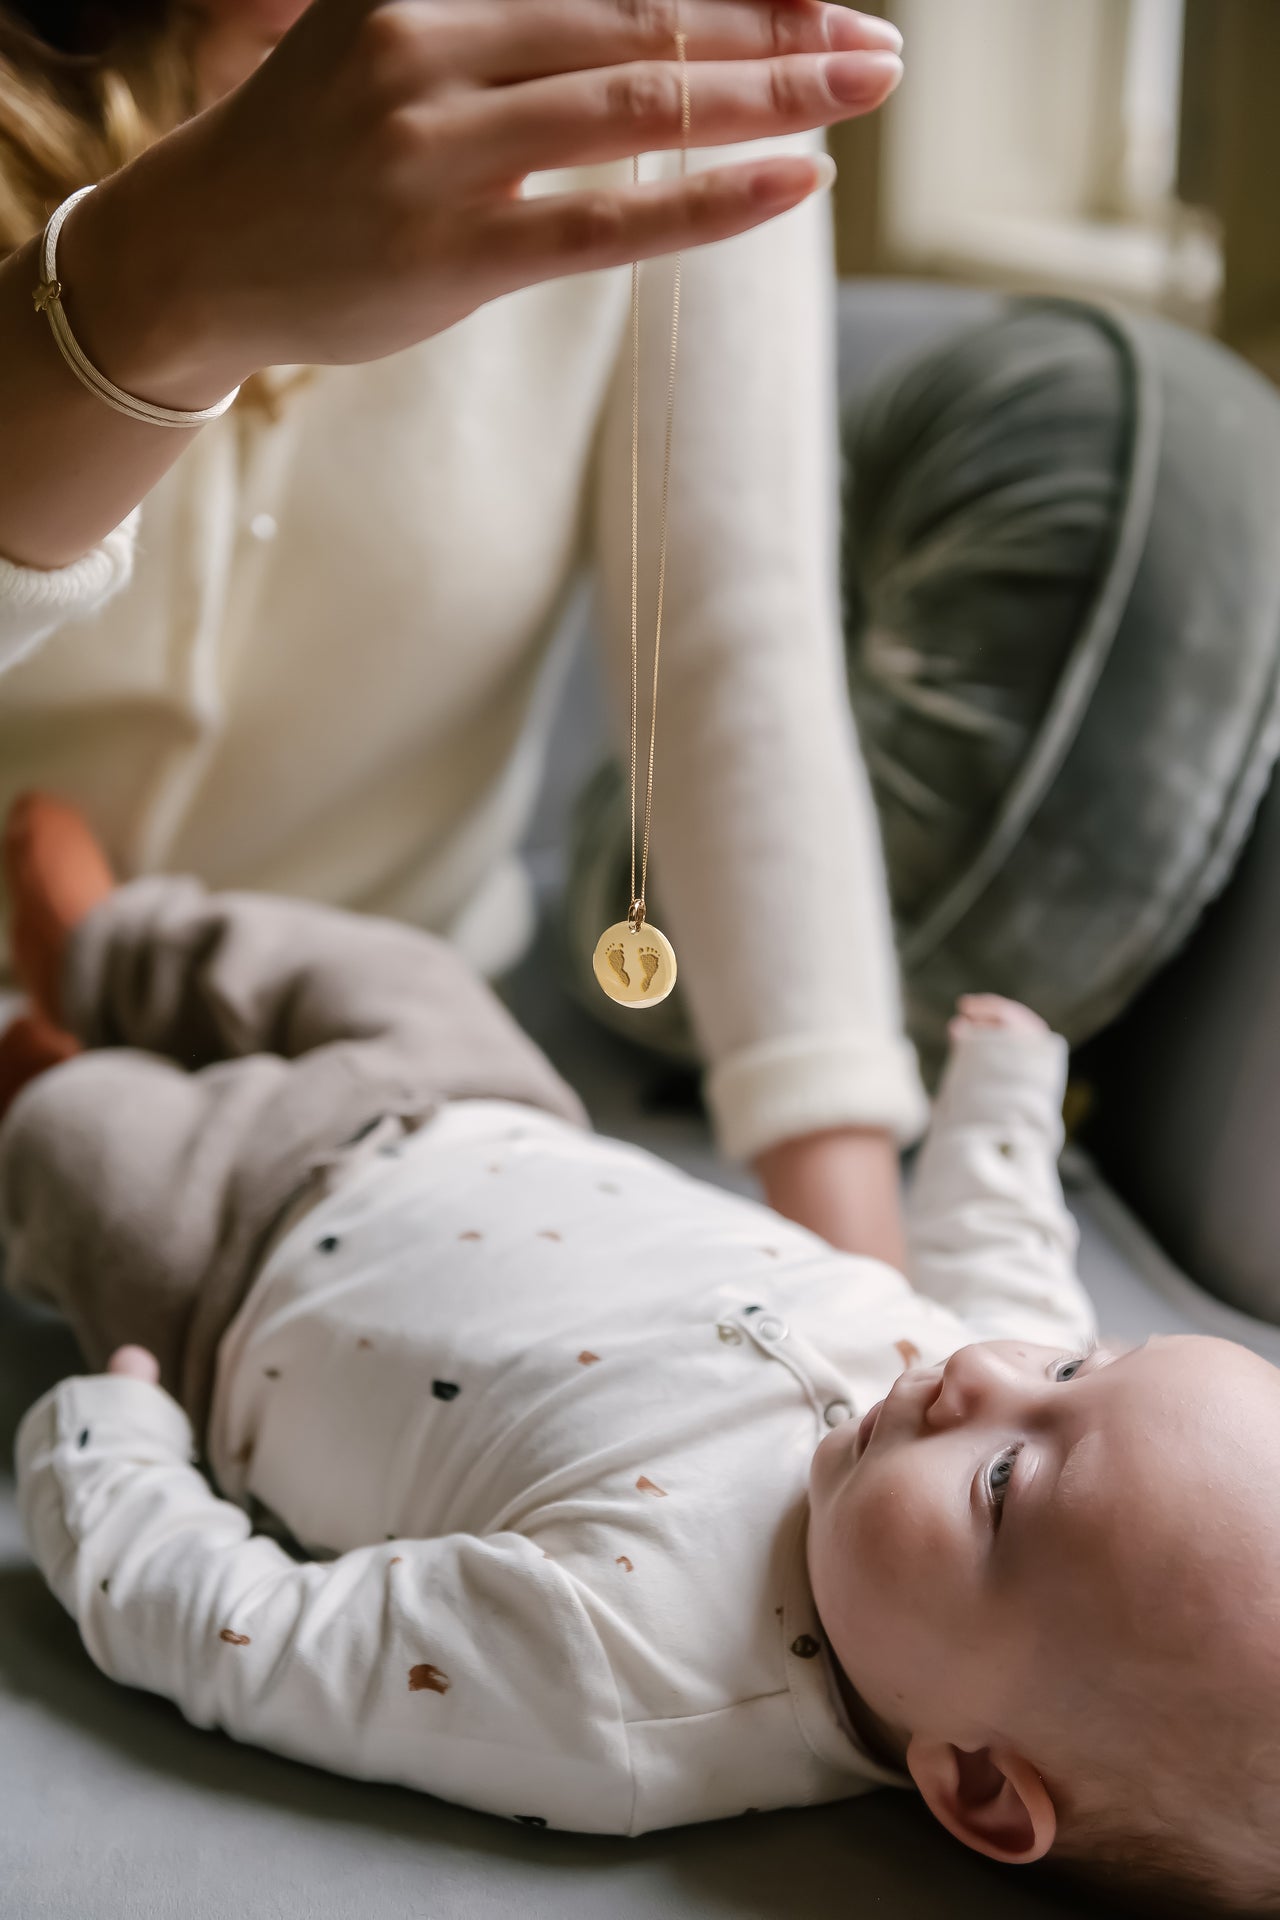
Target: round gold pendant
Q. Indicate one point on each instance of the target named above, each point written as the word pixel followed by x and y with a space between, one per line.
pixel 635 969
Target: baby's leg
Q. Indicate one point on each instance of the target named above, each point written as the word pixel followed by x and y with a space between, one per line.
pixel 295 1026
pixel 375 1017
pixel 118 1176
pixel 165 966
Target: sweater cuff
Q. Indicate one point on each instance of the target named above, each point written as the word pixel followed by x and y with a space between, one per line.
pixel 36 600
pixel 784 1089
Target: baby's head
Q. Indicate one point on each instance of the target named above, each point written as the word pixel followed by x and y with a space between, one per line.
pixel 1053 1582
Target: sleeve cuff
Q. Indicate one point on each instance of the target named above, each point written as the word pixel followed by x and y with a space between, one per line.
pixel 35 600
pixel 996 1078
pixel 784 1089
pixel 86 1416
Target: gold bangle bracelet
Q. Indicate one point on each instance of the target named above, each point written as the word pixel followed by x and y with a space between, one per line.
pixel 47 298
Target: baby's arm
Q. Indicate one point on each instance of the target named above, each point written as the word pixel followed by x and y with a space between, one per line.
pixel 466 1667
pixel 989 1230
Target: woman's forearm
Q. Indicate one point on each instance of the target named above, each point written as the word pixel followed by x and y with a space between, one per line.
pixel 71 468
pixel 360 191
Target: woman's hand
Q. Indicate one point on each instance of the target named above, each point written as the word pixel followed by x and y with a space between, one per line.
pixel 362 189
pixel 844 1184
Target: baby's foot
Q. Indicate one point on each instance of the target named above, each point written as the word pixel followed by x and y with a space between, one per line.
pixel 27 1049
pixel 56 874
pixel 617 961
pixel 648 966
pixel 994 1013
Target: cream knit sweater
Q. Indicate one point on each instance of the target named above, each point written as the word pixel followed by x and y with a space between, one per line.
pixel 318 659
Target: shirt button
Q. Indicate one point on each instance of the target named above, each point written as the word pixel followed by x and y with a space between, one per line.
pixel 837 1413
pixel 263 526
pixel 771 1328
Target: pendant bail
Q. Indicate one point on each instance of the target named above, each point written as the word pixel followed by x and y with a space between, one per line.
pixel 635 917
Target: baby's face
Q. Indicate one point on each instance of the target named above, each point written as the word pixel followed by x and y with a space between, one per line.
pixel 1012 1524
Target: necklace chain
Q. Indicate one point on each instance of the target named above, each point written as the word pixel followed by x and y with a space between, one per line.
pixel 636 915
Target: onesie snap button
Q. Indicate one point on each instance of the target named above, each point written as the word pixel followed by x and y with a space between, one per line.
pixel 263 527
pixel 771 1328
pixel 806 1647
pixel 729 1334
pixel 837 1413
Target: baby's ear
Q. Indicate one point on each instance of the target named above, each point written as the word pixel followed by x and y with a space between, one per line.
pixel 992 1799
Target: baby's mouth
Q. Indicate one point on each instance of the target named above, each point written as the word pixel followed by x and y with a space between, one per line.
pixel 866 1429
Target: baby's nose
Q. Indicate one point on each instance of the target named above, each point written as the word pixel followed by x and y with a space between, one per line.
pixel 974 1380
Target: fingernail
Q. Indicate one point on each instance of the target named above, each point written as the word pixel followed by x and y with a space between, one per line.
pixel 824 172
pixel 849 29
pixel 858 77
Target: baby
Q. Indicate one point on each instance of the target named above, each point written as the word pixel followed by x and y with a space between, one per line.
pixel 621 1501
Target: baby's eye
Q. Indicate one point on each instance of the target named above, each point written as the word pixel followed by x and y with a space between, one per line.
pixel 1068 1369
pixel 1000 1476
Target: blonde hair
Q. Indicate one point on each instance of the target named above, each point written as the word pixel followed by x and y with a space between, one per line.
pixel 72 112
pixel 77 102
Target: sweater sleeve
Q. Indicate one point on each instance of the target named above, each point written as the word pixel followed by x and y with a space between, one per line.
pixel 989 1231
pixel 766 849
pixel 463 1666
pixel 35 602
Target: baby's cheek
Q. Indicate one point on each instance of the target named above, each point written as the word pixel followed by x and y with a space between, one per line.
pixel 896 1542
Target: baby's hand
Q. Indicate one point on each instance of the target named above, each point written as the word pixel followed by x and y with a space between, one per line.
pixel 991 1012
pixel 136 1363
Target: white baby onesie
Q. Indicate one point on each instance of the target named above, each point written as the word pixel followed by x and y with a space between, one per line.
pixel 543 1408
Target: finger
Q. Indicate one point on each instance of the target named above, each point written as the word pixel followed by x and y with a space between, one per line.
pixel 586 119
pixel 500 43
pixel 557 234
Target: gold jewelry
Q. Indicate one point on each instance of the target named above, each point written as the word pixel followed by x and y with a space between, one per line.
pixel 47 299
pixel 635 963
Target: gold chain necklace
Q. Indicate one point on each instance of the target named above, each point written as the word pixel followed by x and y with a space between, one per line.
pixel 634 962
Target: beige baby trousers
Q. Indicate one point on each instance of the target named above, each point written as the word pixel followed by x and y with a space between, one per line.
pixel 237 1044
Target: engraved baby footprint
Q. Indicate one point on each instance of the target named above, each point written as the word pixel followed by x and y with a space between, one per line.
pixel 648 966
pixel 617 960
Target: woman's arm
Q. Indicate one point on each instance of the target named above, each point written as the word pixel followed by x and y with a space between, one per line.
pixel 766 849
pixel 360 191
